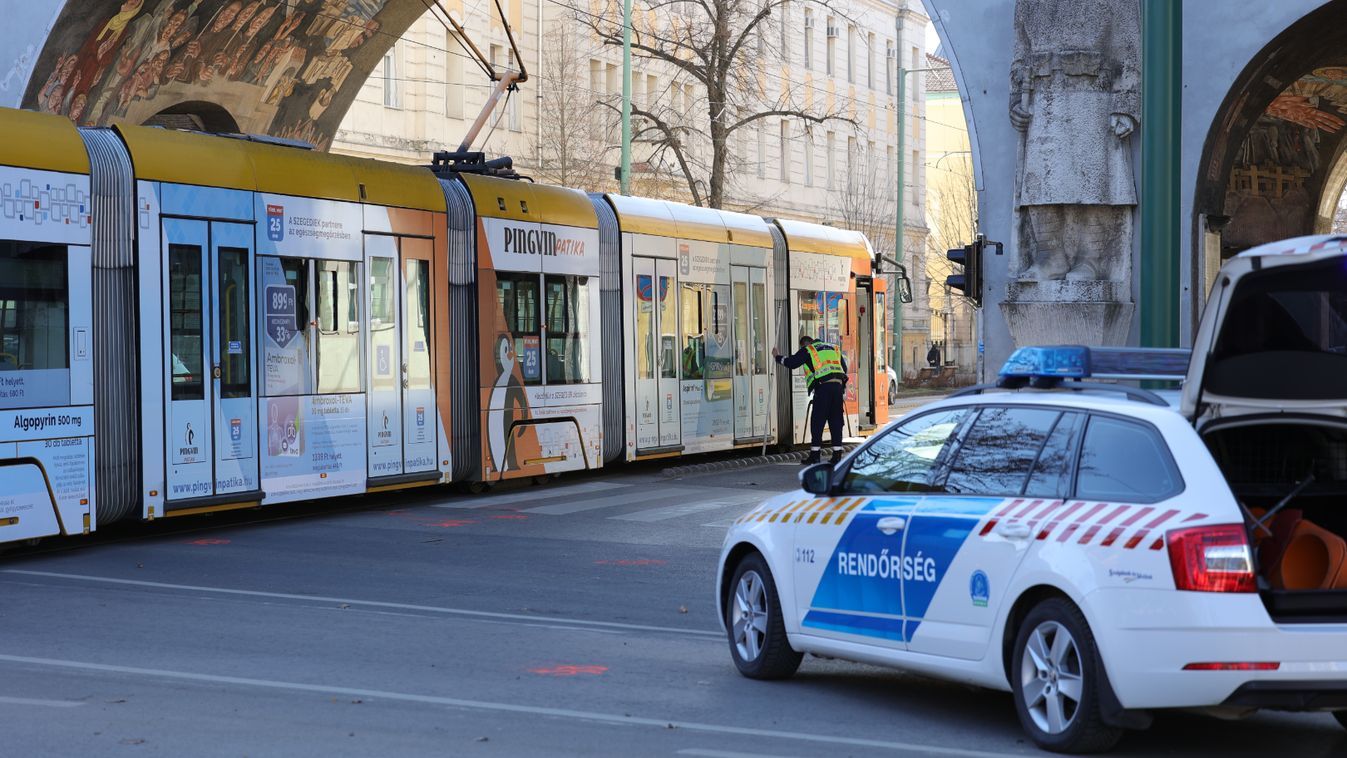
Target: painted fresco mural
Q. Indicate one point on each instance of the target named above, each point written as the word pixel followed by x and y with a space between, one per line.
pixel 288 68
pixel 1278 166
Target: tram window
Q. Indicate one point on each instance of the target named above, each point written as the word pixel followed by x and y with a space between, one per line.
pixel 567 329
pixel 645 326
pixel 759 328
pixel 34 303
pixel 339 344
pixel 882 329
pixel 693 332
pixel 811 323
pixel 668 325
pixel 417 337
pixel 517 296
pixel 741 329
pixel 382 296
pixel 297 276
pixel 184 317
pixel 719 345
pixel 235 338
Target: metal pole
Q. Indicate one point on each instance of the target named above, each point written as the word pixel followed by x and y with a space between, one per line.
pixel 626 98
pixel 899 223
pixel 1161 86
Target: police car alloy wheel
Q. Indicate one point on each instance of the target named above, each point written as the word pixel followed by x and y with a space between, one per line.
pixel 1055 682
pixel 753 619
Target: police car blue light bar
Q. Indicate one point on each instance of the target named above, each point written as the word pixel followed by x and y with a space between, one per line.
pixel 1051 364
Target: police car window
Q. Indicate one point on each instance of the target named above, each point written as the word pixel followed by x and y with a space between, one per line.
pixel 907 458
pixel 1052 471
pixel 1000 449
pixel 1125 461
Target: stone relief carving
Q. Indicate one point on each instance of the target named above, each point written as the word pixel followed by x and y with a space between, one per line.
pixel 1075 99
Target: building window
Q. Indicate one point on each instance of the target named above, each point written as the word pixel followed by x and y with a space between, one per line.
pixel 762 150
pixel 392 98
pixel 870 61
pixel 830 54
pixel 851 160
pixel 831 157
pixel 888 173
pixel 785 32
pixel 851 54
pixel 785 151
pixel 512 107
pixel 808 38
pixel 453 86
pixel 888 67
pixel 808 159
pixel 595 78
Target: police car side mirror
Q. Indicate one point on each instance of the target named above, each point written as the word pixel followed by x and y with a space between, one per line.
pixel 817 479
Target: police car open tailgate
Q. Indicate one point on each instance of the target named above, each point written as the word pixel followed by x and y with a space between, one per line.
pixel 1273 335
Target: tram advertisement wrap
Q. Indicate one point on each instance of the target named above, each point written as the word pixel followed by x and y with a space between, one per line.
pixel 315 446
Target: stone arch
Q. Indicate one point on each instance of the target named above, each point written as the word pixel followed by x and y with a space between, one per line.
pixel 199 115
pixel 1274 153
pixel 288 69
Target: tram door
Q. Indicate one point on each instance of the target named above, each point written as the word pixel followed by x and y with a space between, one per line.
pixel 419 425
pixel 750 352
pixel 865 352
pixel 211 434
pixel 658 409
pixel 401 407
pixel 385 357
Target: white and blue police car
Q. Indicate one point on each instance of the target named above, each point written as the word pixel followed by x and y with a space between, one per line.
pixel 1099 550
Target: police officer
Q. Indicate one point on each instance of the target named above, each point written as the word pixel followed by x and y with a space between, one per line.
pixel 826 371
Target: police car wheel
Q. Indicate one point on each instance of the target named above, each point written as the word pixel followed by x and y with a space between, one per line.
pixel 757 633
pixel 1055 681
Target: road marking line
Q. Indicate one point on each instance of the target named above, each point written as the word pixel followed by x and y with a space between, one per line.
pixel 36 701
pixel 484 705
pixel 377 604
pixel 624 498
pixel 687 509
pixel 724 754
pixel 542 493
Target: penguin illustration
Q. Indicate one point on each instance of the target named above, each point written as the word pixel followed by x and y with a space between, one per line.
pixel 507 395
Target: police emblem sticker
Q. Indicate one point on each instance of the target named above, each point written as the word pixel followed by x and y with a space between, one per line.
pixel 979 588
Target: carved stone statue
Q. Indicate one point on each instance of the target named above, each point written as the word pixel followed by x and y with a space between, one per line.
pixel 1074 94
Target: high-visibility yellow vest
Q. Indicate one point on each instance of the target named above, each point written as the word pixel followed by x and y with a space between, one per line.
pixel 825 360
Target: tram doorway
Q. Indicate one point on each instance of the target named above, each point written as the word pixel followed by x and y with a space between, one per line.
pixel 658 407
pixel 211 435
pixel 401 407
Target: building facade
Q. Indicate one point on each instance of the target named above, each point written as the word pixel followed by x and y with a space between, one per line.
pixel 561 126
pixel 951 212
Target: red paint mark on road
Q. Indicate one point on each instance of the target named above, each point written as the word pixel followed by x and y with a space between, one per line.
pixel 208 541
pixel 511 517
pixel 451 523
pixel 570 669
pixel 632 562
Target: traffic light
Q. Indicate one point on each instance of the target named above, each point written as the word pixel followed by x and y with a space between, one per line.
pixel 969 279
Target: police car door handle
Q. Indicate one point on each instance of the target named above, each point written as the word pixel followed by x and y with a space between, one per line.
pixel 889 525
pixel 1014 530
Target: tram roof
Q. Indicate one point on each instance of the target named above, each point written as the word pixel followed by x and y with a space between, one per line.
pixel 42 141
pixel 660 218
pixel 494 197
pixel 804 237
pixel 179 157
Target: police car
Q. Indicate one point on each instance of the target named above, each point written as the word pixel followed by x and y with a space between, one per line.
pixel 1100 550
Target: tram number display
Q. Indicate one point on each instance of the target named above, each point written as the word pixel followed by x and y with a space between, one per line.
pixel 280 305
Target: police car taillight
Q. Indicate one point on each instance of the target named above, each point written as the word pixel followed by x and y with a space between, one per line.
pixel 1212 559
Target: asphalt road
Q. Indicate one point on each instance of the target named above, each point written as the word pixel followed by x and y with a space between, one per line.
pixel 571 619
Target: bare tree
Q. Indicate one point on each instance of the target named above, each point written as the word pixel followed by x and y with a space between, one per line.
pixel 577 138
pixel 953 215
pixel 866 202
pixel 724 51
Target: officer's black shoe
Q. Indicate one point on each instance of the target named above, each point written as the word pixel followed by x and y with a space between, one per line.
pixel 814 457
pixel 837 457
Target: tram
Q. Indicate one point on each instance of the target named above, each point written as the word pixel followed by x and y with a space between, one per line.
pixel 194 322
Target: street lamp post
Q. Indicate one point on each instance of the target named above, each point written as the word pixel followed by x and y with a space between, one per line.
pixel 900 222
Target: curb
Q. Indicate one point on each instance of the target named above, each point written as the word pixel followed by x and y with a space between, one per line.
pixel 738 463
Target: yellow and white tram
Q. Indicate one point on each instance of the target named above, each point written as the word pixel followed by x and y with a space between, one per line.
pixel 192 322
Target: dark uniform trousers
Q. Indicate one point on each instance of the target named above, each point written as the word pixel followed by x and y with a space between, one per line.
pixel 827 409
